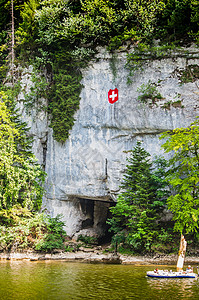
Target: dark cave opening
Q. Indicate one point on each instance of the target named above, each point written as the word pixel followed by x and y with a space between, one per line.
pixel 96 213
pixel 87 208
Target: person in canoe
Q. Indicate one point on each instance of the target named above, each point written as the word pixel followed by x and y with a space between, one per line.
pixel 156 270
pixel 189 269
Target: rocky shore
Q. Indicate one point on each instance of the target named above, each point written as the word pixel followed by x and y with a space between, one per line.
pixel 95 256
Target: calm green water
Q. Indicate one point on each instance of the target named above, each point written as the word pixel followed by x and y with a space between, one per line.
pixel 63 280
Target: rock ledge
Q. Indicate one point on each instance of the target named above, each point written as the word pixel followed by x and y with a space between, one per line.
pixel 98 257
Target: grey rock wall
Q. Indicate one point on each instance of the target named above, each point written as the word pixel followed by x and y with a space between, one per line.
pixel 90 164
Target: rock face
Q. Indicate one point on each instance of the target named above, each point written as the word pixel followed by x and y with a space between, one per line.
pixel 84 173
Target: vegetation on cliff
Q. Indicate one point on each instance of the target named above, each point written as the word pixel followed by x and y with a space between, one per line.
pixel 20 176
pixel 137 219
pixel 59 37
pixel 21 189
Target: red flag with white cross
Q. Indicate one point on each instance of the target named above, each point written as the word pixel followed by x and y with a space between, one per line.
pixel 113 96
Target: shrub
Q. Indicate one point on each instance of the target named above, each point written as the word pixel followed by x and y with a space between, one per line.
pixel 21 229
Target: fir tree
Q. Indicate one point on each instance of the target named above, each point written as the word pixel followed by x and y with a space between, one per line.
pixel 138 209
pixel 21 177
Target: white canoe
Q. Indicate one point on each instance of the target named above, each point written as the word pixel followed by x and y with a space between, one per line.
pixel 170 274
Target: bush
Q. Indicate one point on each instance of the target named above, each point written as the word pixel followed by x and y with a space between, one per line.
pixel 20 229
pixel 87 240
pixel 54 237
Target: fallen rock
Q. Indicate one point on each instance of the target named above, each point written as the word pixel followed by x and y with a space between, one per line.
pixel 86 249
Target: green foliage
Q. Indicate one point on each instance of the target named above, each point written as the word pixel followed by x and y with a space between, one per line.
pixel 21 229
pixel 140 205
pixel 144 51
pixel 166 242
pixel 150 95
pixel 149 92
pixel 87 240
pixel 56 34
pixel 37 91
pixel 168 104
pixel 69 249
pixel 113 65
pixel 183 143
pixel 18 226
pixel 21 177
pixel 100 21
pixel 11 217
pixel 64 95
pixel 5 12
pixel 178 19
pixel 159 173
pixel 26 30
pixel 54 237
pixel 4 48
pixel 144 14
pixel 189 74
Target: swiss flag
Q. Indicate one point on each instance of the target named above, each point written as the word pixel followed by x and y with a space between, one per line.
pixel 113 96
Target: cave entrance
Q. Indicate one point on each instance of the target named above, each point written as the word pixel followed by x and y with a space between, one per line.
pixel 87 208
pixel 95 214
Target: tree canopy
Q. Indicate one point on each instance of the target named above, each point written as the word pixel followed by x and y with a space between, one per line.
pixel 61 36
pixel 183 143
pixel 101 21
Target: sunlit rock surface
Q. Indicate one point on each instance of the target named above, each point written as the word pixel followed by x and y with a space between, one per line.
pixel 88 167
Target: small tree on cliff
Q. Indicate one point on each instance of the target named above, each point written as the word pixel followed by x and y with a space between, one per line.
pixel 138 209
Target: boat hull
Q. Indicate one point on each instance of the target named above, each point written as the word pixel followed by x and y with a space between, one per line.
pixel 171 275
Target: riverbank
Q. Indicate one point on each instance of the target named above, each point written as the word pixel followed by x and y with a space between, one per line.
pixel 96 256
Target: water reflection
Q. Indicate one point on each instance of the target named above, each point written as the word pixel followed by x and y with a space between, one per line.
pixel 74 281
pixel 181 286
pixel 175 288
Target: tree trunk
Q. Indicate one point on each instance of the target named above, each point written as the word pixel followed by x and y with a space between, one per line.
pixel 12 43
pixel 181 255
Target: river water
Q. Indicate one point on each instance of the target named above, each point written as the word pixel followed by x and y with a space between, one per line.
pixel 57 280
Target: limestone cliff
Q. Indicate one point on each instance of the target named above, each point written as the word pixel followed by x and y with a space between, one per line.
pixel 85 172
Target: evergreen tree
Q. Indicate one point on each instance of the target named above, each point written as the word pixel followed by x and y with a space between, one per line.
pixel 138 209
pixel 21 178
